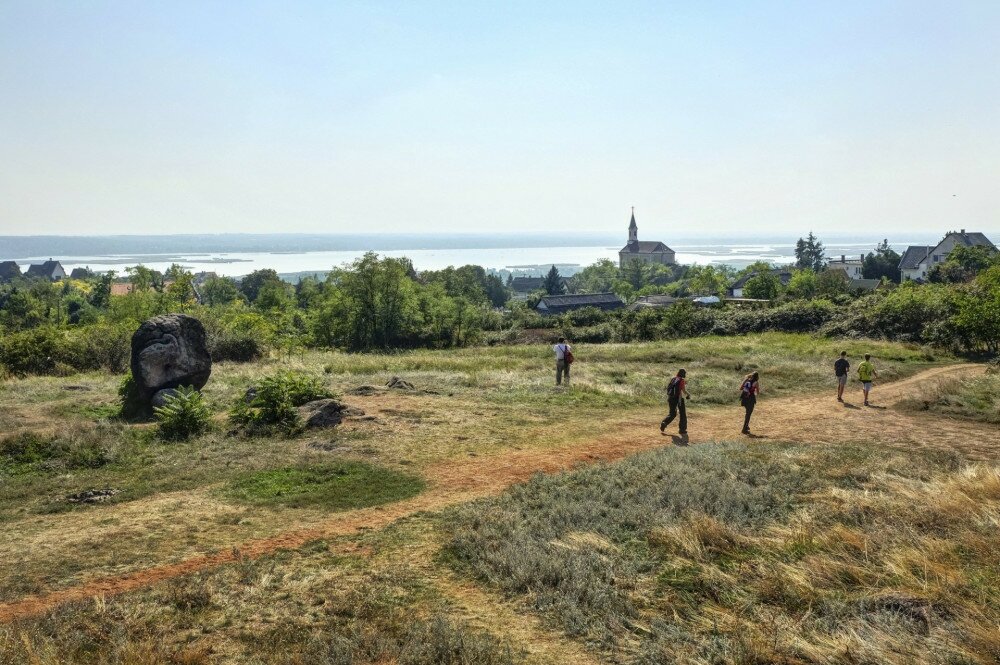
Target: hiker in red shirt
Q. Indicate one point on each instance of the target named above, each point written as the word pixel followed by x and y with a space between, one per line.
pixel 676 392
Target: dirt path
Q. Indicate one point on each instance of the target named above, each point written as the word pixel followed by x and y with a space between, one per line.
pixel 807 419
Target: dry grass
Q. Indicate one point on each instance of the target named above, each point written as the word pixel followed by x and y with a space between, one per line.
pixel 766 589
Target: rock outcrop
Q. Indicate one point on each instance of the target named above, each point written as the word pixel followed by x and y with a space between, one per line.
pixel 168 352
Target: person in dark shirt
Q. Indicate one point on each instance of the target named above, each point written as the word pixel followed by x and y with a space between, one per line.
pixel 676 392
pixel 749 390
pixel 840 369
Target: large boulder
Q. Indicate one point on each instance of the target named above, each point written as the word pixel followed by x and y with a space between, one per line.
pixel 168 352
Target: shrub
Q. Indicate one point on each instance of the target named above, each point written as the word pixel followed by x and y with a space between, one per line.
pixel 133 406
pixel 236 346
pixel 271 406
pixel 183 414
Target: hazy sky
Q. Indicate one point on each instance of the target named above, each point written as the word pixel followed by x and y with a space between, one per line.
pixel 710 117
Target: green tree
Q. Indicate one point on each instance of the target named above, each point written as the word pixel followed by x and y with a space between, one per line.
pixel 376 306
pixel 882 263
pixel 216 291
pixel 809 253
pixel 553 283
pixel 803 284
pixel 763 285
pixel 830 283
pixel 963 264
pixel 100 295
pixel 706 280
pixel 251 285
pixel 596 278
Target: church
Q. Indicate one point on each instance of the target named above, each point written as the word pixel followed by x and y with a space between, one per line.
pixel 647 251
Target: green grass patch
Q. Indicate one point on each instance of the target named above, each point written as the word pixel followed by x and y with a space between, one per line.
pixel 337 486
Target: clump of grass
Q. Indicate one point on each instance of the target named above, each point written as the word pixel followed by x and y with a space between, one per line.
pixel 28 452
pixel 976 398
pixel 183 415
pixel 339 486
pixel 518 541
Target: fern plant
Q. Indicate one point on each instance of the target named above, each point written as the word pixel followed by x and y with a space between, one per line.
pixel 184 414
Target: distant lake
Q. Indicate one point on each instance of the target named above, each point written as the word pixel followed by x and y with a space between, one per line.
pixel 568 259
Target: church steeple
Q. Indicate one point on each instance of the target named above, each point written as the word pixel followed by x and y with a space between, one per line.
pixel 633 230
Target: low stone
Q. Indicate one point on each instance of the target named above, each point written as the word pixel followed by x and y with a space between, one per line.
pixel 397 383
pixel 323 413
pixel 93 496
pixel 160 398
pixel 365 391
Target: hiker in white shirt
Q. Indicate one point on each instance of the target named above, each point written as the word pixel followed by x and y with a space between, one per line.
pixel 564 358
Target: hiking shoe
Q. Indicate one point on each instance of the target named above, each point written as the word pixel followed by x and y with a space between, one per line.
pixel 840 399
pixel 866 404
pixel 663 426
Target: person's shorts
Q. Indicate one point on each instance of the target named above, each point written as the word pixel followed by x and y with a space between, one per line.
pixel 842 380
pixel 867 385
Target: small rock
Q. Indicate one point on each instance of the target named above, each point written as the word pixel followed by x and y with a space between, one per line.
pixel 160 398
pixel 366 391
pixel 325 413
pixel 93 496
pixel 397 383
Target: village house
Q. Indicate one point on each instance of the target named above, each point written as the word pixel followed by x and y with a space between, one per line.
pixel 917 260
pixel 50 270
pixel 9 270
pixel 852 268
pixel 81 273
pixel 526 284
pixel 550 305
pixel 645 251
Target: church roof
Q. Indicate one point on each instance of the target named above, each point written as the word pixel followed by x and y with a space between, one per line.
pixel 644 247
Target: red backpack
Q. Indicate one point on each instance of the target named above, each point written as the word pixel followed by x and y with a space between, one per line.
pixel 567 354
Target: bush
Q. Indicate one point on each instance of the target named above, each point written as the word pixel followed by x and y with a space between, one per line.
pixel 33 351
pixel 133 406
pixel 183 415
pixel 237 347
pixel 271 406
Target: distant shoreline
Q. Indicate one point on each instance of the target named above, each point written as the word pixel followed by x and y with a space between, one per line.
pixel 187 245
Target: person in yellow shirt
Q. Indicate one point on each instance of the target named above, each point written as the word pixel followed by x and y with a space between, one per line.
pixel 867 374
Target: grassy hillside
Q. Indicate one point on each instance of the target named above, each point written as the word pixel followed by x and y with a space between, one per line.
pixel 416 533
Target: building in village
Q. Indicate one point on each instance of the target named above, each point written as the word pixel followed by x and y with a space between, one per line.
pixel 550 305
pixel 917 260
pixel 50 270
pixel 646 251
pixel 852 268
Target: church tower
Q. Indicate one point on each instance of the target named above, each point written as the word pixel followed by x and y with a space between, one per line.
pixel 633 230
